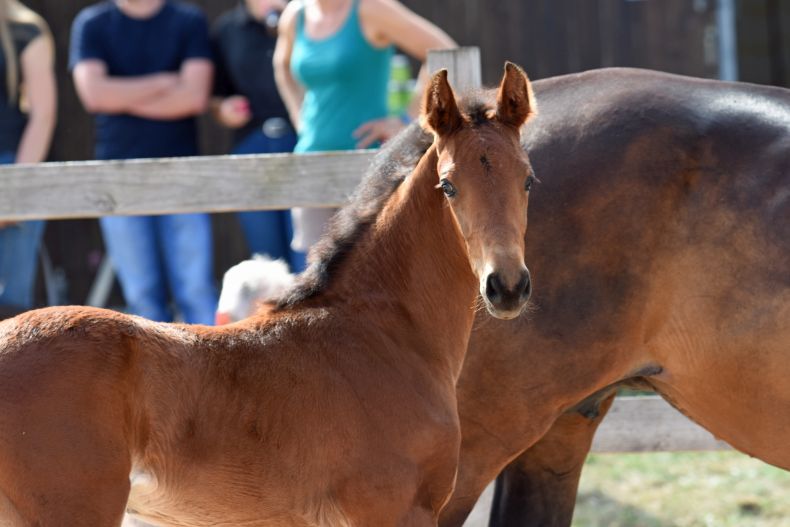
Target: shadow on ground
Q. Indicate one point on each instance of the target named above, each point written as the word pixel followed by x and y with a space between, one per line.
pixel 596 509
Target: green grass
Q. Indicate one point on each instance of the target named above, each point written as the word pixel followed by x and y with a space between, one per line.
pixel 710 489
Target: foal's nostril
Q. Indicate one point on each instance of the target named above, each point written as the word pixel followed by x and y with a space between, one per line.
pixel 494 288
pixel 508 297
pixel 524 286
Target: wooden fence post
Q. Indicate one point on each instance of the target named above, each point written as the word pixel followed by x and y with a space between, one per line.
pixel 463 66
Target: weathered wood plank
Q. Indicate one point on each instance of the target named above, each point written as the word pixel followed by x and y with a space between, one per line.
pixel 176 185
pixel 463 66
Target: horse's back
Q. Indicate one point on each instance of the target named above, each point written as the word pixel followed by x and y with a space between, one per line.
pixel 612 117
pixel 621 94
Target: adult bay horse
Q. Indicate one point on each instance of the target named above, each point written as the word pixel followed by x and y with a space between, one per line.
pixel 337 409
pixel 660 250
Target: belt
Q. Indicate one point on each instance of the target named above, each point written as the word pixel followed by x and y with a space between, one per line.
pixel 276 127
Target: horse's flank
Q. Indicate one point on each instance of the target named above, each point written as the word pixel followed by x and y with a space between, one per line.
pixel 659 242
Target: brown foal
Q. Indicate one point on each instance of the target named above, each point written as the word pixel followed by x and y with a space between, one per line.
pixel 337 408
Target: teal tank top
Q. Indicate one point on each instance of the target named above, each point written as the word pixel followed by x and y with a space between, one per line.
pixel 345 80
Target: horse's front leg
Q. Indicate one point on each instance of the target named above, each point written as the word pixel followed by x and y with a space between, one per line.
pixel 419 517
pixel 539 487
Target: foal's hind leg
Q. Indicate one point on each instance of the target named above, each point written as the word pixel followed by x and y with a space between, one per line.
pixel 9 515
pixel 62 468
pixel 75 504
pixel 419 517
pixel 539 487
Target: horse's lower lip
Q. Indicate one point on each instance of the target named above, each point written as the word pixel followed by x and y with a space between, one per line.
pixel 504 314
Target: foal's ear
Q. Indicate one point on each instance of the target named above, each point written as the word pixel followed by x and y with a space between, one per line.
pixel 515 102
pixel 439 111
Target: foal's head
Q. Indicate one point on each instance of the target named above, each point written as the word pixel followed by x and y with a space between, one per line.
pixel 486 178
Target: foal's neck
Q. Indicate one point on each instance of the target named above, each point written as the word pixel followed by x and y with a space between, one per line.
pixel 412 268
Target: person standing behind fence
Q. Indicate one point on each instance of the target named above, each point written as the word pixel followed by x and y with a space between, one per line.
pixel 28 100
pixel 143 67
pixel 332 65
pixel 246 100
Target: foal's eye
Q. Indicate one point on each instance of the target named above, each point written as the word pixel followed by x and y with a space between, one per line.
pixel 528 184
pixel 447 187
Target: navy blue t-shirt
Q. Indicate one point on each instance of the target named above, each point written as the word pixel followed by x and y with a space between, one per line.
pixel 131 47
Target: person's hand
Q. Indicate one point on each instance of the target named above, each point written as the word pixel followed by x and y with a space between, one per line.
pixel 4 224
pixel 377 130
pixel 260 8
pixel 234 111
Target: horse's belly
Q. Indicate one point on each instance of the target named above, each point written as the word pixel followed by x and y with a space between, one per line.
pixel 725 355
pixel 737 389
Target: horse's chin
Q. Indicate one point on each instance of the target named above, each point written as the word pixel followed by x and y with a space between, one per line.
pixel 504 314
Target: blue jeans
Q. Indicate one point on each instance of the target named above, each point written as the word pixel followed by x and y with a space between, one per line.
pixel 269 231
pixel 19 245
pixel 156 254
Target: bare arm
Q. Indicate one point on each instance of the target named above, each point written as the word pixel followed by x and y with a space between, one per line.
pixel 291 92
pixel 101 93
pixel 389 22
pixel 188 97
pixel 38 75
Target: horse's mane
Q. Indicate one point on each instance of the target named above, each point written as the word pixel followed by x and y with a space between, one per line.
pixel 389 168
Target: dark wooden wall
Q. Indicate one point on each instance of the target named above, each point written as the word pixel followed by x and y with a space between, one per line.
pixel 547 37
pixel 764 41
pixel 552 37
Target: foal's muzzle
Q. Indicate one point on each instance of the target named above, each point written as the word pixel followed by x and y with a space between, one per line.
pixel 507 300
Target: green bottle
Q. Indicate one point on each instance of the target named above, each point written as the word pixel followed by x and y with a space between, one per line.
pixel 400 85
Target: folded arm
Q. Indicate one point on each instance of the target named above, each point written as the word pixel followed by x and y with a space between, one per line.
pixel 189 96
pixel 155 96
pixel 101 93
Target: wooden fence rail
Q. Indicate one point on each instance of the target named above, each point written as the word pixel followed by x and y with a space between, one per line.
pixel 89 189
